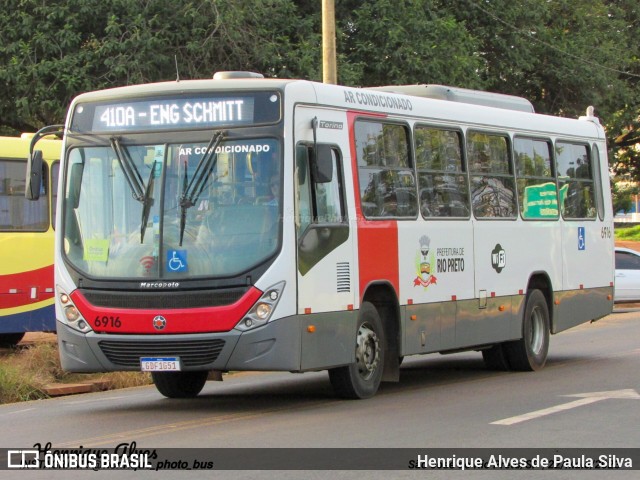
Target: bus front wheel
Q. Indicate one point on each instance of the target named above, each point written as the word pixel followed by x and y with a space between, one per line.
pixel 530 352
pixel 362 378
pixel 179 384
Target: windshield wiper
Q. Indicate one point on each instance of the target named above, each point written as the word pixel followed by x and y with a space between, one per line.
pixel 191 190
pixel 147 201
pixel 129 169
pixel 140 193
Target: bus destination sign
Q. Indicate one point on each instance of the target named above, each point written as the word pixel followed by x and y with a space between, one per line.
pixel 176 113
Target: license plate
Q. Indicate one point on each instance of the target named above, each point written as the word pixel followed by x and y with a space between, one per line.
pixel 160 364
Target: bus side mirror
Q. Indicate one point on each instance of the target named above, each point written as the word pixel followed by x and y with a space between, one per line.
pixel 323 164
pixel 34 176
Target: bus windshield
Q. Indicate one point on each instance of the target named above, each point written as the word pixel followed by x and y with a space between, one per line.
pixel 230 225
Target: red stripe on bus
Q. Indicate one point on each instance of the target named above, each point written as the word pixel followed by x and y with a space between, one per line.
pixel 179 320
pixel 15 288
pixel 377 239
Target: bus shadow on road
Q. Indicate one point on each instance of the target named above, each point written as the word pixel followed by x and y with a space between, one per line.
pixel 279 390
pixel 276 391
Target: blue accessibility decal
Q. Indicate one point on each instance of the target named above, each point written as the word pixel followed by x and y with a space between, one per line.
pixel 176 260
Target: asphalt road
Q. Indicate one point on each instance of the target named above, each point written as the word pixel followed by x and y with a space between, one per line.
pixel 588 396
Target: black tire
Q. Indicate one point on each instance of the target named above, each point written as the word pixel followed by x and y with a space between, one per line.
pixel 362 378
pixel 10 340
pixel 179 384
pixel 495 358
pixel 530 352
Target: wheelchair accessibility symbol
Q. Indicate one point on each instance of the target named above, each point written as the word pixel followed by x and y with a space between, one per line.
pixel 581 239
pixel 177 260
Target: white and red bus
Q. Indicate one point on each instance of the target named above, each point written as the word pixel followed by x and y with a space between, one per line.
pixel 26 240
pixel 244 223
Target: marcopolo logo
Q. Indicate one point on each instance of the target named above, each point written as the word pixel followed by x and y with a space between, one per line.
pixel 498 258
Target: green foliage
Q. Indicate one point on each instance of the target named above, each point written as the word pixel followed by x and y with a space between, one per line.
pixel 51 51
pixel 630 233
pixel 562 55
pixel 16 387
pixel 624 138
pixel 390 42
pixel 623 194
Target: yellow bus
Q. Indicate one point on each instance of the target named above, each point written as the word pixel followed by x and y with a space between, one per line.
pixel 26 240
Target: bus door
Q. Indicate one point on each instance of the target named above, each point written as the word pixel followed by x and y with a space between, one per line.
pixel 325 260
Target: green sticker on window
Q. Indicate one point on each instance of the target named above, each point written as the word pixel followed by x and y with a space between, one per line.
pixel 96 250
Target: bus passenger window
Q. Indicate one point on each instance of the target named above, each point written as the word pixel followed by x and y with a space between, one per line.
pixel 492 183
pixel 575 177
pixel 387 181
pixel 537 189
pixel 598 184
pixel 442 180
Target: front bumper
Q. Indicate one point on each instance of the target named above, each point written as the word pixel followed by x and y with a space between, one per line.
pixel 274 346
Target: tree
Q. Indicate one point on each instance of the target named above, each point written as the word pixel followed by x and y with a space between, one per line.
pixel 624 124
pixel 386 42
pixel 53 50
pixel 623 194
pixel 563 55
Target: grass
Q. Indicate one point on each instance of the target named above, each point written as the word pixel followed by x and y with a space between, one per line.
pixel 25 372
pixel 629 233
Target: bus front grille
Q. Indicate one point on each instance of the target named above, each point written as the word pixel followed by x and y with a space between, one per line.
pixel 163 299
pixel 192 353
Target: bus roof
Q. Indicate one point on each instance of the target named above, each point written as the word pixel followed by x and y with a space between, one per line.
pixel 463 95
pixel 18 147
pixel 439 102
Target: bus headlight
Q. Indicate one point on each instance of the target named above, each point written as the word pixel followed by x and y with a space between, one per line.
pixel 71 313
pixel 261 312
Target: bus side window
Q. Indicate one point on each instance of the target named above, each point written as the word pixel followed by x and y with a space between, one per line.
pixel 16 212
pixel 537 189
pixel 575 177
pixel 320 209
pixel 55 174
pixel 598 178
pixel 387 179
pixel 442 180
pixel 317 201
pixel 492 182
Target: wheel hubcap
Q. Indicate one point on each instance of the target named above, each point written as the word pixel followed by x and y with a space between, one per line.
pixel 537 331
pixel 367 351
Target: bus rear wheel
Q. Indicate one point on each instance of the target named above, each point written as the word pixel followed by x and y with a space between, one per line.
pixel 362 378
pixel 10 340
pixel 530 352
pixel 180 384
